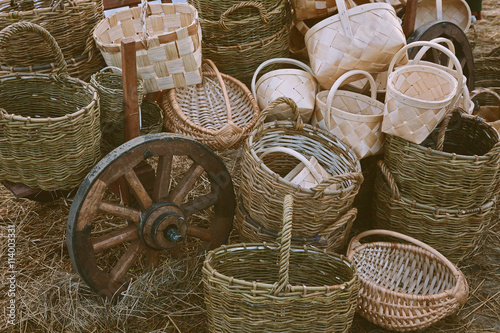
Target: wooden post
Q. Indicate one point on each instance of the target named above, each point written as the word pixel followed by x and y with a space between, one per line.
pixel 409 19
pixel 130 94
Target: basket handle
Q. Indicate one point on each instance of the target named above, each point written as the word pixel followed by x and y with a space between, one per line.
pixel 145 33
pixel 298 156
pixel 259 6
pixel 278 61
pixel 424 49
pixel 389 179
pixel 344 18
pixel 111 67
pixel 338 83
pixel 479 91
pixel 280 100
pixel 19 27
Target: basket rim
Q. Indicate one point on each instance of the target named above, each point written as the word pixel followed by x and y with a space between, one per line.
pixel 375 118
pixel 285 72
pixel 424 3
pixel 277 10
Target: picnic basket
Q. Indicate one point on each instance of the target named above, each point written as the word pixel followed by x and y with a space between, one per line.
pixel 262 287
pixel 455 11
pixel 49 124
pixel 405 287
pixel 167 42
pixel 263 185
pixel 354 118
pixel 297 84
pixel 220 112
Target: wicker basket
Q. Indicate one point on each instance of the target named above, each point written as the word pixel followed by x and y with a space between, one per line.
pixel 354 118
pixel 265 288
pixel 364 37
pixel 405 287
pixel 263 185
pixel 49 125
pixel 310 9
pixel 208 11
pixel 455 11
pixel 168 43
pixel 490 113
pixel 487 75
pixel 220 113
pixel 297 84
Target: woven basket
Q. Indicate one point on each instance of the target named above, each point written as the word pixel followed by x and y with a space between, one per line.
pixel 266 288
pixel 487 75
pixel 310 9
pixel 208 11
pixel 220 113
pixel 168 43
pixel 455 11
pixel 489 113
pixel 49 125
pixel 419 96
pixel 297 84
pixel 405 287
pixel 364 37
pixel 263 186
pixel 354 118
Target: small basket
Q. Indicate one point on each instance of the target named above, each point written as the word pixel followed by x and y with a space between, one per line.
pixel 297 84
pixel 490 113
pixel 354 118
pixel 266 288
pixel 49 124
pixel 455 11
pixel 220 113
pixel 167 42
pixel 405 287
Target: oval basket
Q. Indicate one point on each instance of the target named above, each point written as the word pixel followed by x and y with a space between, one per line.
pixel 456 11
pixel 49 124
pixel 264 288
pixel 405 287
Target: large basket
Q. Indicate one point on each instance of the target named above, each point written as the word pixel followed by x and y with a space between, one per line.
pixel 354 118
pixel 455 11
pixel 297 84
pixel 263 185
pixel 405 287
pixel 266 288
pixel 49 125
pixel 364 37
pixel 208 11
pixel 167 42
pixel 220 113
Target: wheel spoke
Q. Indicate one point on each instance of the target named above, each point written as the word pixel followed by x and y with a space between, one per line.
pixel 185 184
pixel 152 259
pixel 200 233
pixel 117 210
pixel 114 238
pixel 199 204
pixel 162 181
pixel 126 261
pixel 138 189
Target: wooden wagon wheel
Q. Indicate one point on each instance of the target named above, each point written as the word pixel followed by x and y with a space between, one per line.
pixel 107 239
pixel 451 31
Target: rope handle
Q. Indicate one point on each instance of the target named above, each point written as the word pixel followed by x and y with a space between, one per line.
pixel 16 28
pixel 278 61
pixel 259 124
pixel 60 3
pixel 259 6
pixel 336 86
pixel 285 242
pixel 442 131
pixel 145 34
pixel 223 86
pixel 389 179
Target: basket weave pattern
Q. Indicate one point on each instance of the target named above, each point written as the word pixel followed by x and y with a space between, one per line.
pixel 309 9
pixel 456 11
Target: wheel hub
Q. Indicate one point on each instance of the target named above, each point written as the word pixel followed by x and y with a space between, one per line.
pixel 162 226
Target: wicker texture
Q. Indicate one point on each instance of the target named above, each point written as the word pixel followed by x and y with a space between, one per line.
pixel 405 287
pixel 263 186
pixel 455 11
pixel 310 9
pixel 263 288
pixel 487 75
pixel 220 113
pixel 49 125
pixel 364 37
pixel 208 11
pixel 168 43
pixel 490 113
pixel 419 96
pixel 297 84
pixel 354 118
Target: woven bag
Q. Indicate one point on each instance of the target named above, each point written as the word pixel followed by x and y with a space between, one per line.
pixel 419 96
pixel 49 124
pixel 264 288
pixel 263 185
pixel 405 287
pixel 489 113
pixel 297 84
pixel 364 37
pixel 455 11
pixel 220 112
pixel 167 42
pixel 354 118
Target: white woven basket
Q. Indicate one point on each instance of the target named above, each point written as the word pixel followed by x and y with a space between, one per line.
pixel 354 118
pixel 309 9
pixel 456 11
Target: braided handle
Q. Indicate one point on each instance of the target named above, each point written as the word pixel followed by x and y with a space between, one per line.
pixel 19 27
pixel 270 107
pixel 285 242
pixel 259 6
pixel 389 179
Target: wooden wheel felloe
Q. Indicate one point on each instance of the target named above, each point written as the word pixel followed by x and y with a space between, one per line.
pixel 185 199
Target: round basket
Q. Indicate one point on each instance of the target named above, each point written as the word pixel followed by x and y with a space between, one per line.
pixel 266 288
pixel 220 113
pixel 405 287
pixel 263 185
pixel 487 75
pixel 456 11
pixel 354 118
pixel 49 124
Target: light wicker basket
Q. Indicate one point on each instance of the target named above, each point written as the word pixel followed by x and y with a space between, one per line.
pixel 264 288
pixel 220 112
pixel 167 41
pixel 405 287
pixel 354 118
pixel 455 11
pixel 297 84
